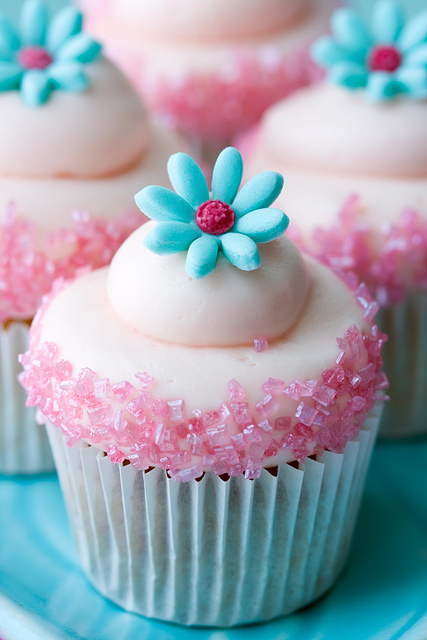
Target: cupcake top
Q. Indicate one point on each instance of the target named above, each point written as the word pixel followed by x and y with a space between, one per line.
pixel 199 351
pixel 354 149
pixel 198 20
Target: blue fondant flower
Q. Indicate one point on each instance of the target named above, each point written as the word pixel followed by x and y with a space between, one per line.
pixel 232 221
pixel 388 58
pixel 43 55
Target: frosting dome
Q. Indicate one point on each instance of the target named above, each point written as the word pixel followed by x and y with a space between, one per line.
pixel 330 130
pixel 155 296
pixel 97 133
pixel 212 19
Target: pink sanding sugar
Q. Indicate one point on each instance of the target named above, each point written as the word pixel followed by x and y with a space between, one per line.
pixel 399 264
pixel 218 105
pixel 129 422
pixel 27 272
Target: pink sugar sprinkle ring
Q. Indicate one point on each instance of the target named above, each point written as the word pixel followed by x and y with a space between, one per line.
pixel 260 344
pixel 235 438
pixel 27 272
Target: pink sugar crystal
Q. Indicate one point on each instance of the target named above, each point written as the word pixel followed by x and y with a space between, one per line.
pixel 176 410
pixel 273 385
pixel 283 423
pixel 99 415
pixel 260 344
pixel 272 449
pixel 102 388
pixel 324 395
pixel 186 475
pixel 239 441
pixel 196 443
pixel 115 454
pixel 253 469
pixel 147 380
pixel 218 435
pixel 196 425
pixel 265 426
pixel 210 419
pixel 166 439
pixel 241 413
pixel 267 405
pixel 306 414
pixel 252 434
pixel 236 391
pixel 227 454
pixel 122 390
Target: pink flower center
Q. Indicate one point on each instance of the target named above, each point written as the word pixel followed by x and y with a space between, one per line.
pixel 385 58
pixel 215 217
pixel 34 57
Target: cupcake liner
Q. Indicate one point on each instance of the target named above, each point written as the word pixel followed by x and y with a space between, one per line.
pixel 405 362
pixel 24 446
pixel 213 552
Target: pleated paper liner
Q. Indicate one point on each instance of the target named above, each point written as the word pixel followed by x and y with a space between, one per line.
pixel 213 552
pixel 405 363
pixel 24 446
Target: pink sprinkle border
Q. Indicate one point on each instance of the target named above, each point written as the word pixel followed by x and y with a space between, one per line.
pixel 217 106
pixel 28 272
pixel 131 423
pixel 346 247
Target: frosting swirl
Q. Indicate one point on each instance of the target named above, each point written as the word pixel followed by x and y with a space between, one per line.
pixel 155 296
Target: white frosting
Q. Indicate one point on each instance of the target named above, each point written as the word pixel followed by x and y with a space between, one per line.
pixel 332 130
pixel 154 295
pixel 81 320
pixel 50 202
pixel 199 20
pixel 172 59
pixel 377 152
pixel 99 132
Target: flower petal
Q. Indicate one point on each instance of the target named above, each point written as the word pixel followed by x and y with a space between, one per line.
pixel 201 257
pixel 349 74
pixel 68 76
pixel 327 52
pixel 387 21
pixel 187 179
pixel 240 251
pixel 35 87
pixel 227 175
pixel 66 23
pixel 33 22
pixel 414 81
pixel 259 192
pixel 414 32
pixel 382 86
pixel 161 204
pixel 80 47
pixel 171 237
pixel 416 56
pixel 10 75
pixel 262 225
pixel 9 40
pixel 350 30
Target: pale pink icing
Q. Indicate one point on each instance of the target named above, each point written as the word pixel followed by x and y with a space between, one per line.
pixel 207 312
pixel 201 20
pixel 221 87
pixel 99 132
pixel 229 410
pixel 362 179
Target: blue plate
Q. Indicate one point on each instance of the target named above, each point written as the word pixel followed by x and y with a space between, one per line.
pixel 382 595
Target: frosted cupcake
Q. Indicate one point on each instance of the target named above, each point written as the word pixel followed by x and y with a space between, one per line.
pixel 354 153
pixel 218 430
pixel 211 67
pixel 75 141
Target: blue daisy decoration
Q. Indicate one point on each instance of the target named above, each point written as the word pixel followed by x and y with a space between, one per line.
pixel 43 55
pixel 231 221
pixel 387 57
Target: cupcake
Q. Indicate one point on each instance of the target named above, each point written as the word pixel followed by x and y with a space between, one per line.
pixel 220 403
pixel 209 67
pixel 75 141
pixel 353 150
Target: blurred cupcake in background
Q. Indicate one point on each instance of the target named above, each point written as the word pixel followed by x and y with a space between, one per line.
pixel 211 67
pixel 75 143
pixel 354 152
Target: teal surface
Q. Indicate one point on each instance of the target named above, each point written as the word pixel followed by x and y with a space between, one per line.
pixel 382 595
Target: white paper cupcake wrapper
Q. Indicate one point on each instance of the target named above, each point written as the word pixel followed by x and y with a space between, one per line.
pixel 213 553
pixel 24 446
pixel 405 363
